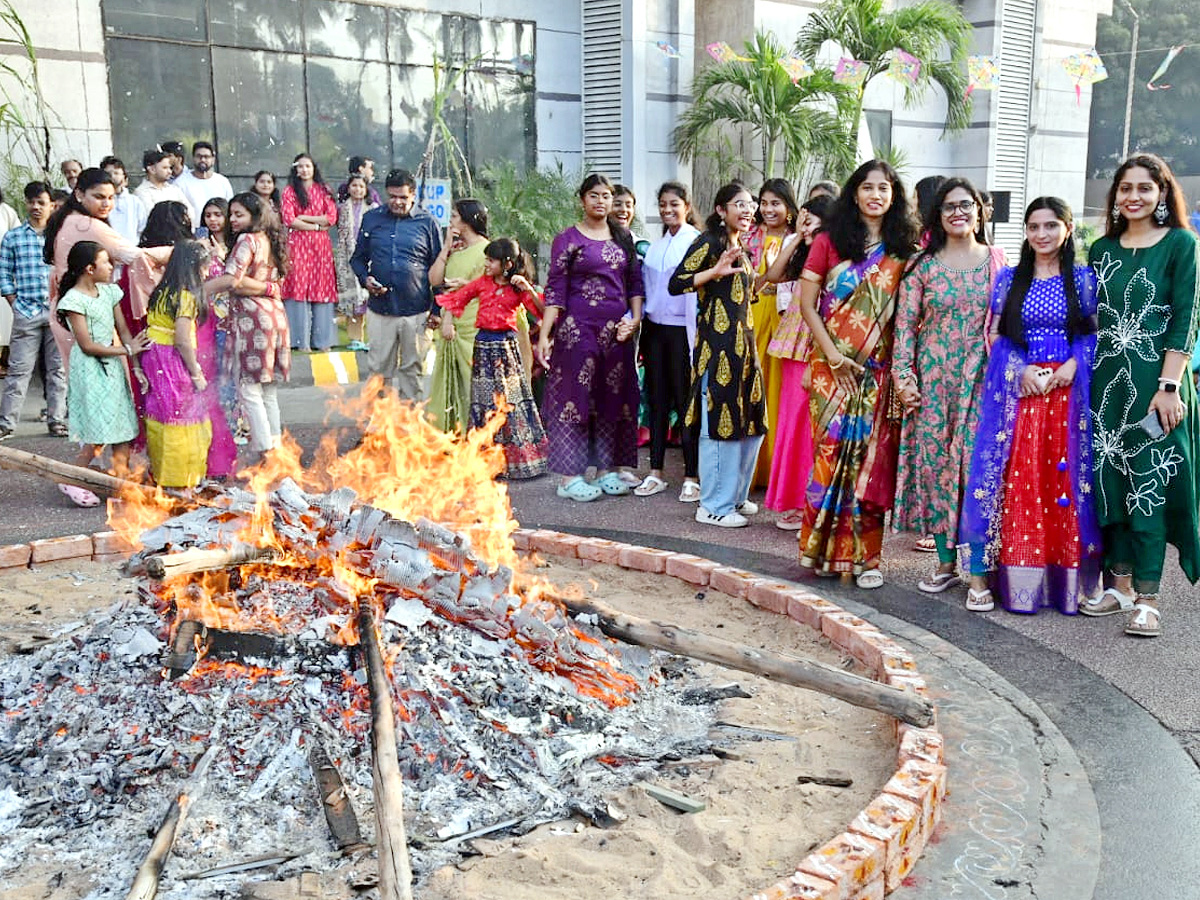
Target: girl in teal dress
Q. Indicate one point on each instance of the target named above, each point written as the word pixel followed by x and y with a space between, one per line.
pixel 99 401
pixel 1146 435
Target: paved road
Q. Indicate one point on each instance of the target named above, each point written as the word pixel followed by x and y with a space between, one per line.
pixel 1126 710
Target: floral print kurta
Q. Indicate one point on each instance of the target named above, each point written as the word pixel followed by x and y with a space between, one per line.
pixel 940 341
pixel 258 326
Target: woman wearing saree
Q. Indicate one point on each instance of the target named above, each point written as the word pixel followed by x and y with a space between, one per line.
pixel 1147 438
pixel 853 271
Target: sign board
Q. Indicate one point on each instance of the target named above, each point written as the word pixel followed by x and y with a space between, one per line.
pixel 437 199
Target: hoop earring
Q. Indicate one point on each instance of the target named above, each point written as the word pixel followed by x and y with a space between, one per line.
pixel 1160 211
pixel 1116 214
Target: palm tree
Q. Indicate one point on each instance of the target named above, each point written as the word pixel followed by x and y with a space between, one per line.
pixel 926 29
pixel 798 120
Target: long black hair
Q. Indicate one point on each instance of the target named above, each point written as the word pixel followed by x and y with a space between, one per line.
pixel 473 213
pixel 1012 325
pixel 781 188
pixel 167 223
pixel 220 204
pixel 822 207
pixel 847 230
pixel 184 274
pixel 1171 194
pixel 262 218
pixel 88 179
pixel 620 234
pixel 925 196
pixel 715 224
pixel 298 185
pixel 934 228
pixel 79 257
pixel 275 181
pixel 679 190
pixel 507 252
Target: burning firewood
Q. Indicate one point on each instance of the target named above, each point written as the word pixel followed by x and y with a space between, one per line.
pixel 343 823
pixel 196 559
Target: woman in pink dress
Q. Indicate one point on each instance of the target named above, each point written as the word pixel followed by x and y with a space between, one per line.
pixel 310 291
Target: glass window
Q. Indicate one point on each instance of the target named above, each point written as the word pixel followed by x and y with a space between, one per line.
pixel 260 109
pixel 414 37
pixel 345 30
pixel 269 24
pixel 179 20
pixel 412 104
pixel 349 112
pixel 502 123
pixel 143 117
pixel 879 125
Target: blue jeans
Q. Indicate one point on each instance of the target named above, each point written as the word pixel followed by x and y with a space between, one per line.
pixel 726 467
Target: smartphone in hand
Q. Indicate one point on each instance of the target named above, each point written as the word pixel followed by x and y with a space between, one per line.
pixel 1152 426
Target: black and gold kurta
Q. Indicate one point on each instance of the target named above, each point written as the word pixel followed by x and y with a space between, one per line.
pixel 725 348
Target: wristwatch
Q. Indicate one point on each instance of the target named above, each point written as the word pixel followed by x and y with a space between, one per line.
pixel 1168 387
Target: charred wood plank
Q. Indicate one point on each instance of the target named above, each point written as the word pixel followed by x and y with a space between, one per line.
pixel 339 813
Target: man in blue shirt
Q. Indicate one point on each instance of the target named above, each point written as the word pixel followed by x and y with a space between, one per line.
pixel 25 284
pixel 397 244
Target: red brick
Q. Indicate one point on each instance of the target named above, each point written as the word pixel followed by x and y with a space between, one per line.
pixel 729 580
pixel 14 555
pixel 871 891
pixel 110 542
pixel 110 557
pixel 897 824
pixel 644 559
pixel 692 569
pixel 924 744
pixel 555 543
pixel 772 595
pixel 51 549
pixel 908 681
pixel 847 631
pixel 849 860
pixel 869 649
pixel 808 608
pixel 801 886
pixel 923 784
pixel 601 551
pixel 899 661
pixel 520 539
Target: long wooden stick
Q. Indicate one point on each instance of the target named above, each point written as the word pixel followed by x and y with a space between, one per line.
pixel 145 883
pixel 395 872
pixel 199 559
pixel 796 670
pixel 66 473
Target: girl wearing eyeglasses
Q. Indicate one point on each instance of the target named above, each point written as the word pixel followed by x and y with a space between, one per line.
pixel 938 367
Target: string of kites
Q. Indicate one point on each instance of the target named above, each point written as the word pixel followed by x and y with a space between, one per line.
pixel 983 72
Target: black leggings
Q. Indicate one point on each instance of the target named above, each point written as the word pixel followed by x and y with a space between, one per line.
pixel 668 378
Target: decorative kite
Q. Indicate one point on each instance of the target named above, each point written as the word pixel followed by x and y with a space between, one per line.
pixel 668 51
pixel 904 67
pixel 1162 70
pixel 796 68
pixel 850 71
pixel 983 73
pixel 722 52
pixel 1084 68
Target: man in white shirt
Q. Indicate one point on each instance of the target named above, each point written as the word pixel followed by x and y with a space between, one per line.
pixel 157 187
pixel 128 216
pixel 203 182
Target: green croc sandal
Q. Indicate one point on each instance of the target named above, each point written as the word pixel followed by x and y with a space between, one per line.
pixel 612 484
pixel 578 490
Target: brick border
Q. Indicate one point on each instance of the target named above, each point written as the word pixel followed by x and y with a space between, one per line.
pixel 878 849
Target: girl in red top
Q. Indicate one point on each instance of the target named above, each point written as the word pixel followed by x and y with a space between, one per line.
pixel 310 289
pixel 496 366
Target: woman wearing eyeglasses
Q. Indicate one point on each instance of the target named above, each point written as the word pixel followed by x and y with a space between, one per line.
pixel 853 270
pixel 938 367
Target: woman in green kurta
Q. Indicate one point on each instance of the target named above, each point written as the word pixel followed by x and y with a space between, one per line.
pixel 460 262
pixel 1146 433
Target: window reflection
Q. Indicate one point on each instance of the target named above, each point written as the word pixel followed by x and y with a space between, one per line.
pixel 345 30
pixel 502 123
pixel 179 20
pixel 348 112
pixel 143 118
pixel 270 24
pixel 414 37
pixel 260 109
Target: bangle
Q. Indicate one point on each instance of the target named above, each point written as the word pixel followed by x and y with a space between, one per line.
pixel 128 351
pixel 841 363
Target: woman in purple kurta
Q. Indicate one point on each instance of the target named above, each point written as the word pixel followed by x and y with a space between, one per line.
pixel 594 300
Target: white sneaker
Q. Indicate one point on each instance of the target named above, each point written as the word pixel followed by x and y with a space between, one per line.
pixel 748 508
pixel 729 520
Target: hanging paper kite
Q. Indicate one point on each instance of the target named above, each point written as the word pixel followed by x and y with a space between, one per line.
pixel 850 71
pixel 796 68
pixel 904 67
pixel 1084 68
pixel 722 52
pixel 1162 70
pixel 669 51
pixel 983 73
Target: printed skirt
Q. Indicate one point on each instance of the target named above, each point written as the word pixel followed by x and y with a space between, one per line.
pixel 497 369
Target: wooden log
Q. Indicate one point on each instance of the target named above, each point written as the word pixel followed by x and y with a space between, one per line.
pixel 343 823
pixel 199 559
pixel 795 670
pixel 145 883
pixel 391 841
pixel 65 473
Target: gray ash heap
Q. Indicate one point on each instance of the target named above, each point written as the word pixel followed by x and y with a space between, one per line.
pixel 509 711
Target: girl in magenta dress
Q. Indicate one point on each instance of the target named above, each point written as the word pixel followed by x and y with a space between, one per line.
pixel 594 298
pixel 310 291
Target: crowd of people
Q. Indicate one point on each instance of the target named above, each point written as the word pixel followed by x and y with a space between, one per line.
pixel 864 357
